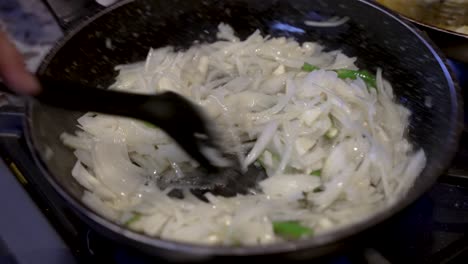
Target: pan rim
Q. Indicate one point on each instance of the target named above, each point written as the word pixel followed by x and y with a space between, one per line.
pixel 281 247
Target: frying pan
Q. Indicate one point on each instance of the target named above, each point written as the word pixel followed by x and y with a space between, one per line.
pixel 374 35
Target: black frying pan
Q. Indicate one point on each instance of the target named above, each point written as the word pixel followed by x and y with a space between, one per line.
pixel 375 36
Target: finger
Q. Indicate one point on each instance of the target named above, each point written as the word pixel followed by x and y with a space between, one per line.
pixel 13 71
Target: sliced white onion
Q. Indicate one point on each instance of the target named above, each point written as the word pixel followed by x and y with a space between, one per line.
pixel 333 22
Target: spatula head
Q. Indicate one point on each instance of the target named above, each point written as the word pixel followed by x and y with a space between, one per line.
pixel 219 173
pixel 188 126
pixel 227 182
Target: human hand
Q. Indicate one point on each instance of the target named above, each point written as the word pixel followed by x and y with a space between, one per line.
pixel 13 70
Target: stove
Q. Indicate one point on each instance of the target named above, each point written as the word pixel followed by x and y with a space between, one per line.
pixel 37 227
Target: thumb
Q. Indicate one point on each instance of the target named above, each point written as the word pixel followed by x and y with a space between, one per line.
pixel 13 71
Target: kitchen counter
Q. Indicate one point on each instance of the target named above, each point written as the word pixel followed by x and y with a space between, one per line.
pixel 31 27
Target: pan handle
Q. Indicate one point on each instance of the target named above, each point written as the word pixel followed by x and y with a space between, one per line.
pixel 68 13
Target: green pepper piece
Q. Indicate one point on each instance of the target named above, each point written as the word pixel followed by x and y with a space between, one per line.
pixel 291 229
pixel 368 78
pixel 309 67
pixel 132 219
pixel 275 157
pixel 345 74
pixel 148 124
pixel 316 173
pixel 332 133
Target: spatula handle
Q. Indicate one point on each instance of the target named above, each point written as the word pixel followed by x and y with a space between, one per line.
pixel 171 112
pixel 79 97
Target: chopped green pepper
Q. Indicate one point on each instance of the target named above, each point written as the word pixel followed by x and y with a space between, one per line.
pixel 309 67
pixel 291 229
pixel 236 243
pixel 133 219
pixel 150 125
pixel 367 77
pixel 265 163
pixel 352 74
pixel 316 173
pixel 332 133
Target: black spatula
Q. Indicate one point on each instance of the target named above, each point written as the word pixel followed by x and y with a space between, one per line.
pixel 174 114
